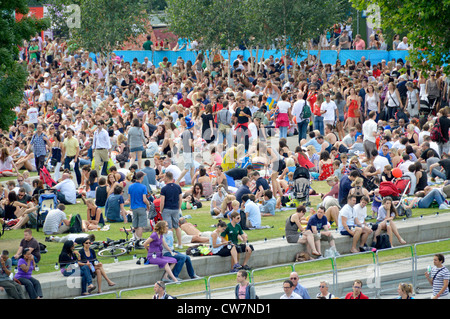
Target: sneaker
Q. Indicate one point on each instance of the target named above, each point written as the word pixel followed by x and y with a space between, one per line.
pixel 237 266
pixel 246 267
pixel 218 216
pixel 443 206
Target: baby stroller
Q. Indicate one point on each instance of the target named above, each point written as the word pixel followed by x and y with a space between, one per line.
pixel 48 200
pixel 46 177
pixel 302 185
pixel 425 109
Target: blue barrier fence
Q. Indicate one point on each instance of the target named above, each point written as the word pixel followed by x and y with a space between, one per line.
pixel 326 56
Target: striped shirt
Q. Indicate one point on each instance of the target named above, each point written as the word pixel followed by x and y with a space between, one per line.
pixel 438 281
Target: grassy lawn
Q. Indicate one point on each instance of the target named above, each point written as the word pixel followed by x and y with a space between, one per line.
pixel 201 217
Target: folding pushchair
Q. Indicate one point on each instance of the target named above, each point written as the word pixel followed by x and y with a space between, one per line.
pixel 48 200
pixel 302 185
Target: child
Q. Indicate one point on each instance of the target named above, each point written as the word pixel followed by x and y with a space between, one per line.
pixel 235 207
pixel 344 164
pixel 101 192
pixel 337 169
pixel 152 147
pixel 376 203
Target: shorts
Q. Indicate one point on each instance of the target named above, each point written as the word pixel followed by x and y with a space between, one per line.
pixel 139 217
pixel 137 149
pixel 323 238
pixel 224 252
pixel 188 159
pixel 240 248
pixel 341 118
pixel 171 216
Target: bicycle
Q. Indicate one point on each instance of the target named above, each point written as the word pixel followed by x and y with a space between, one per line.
pixel 116 248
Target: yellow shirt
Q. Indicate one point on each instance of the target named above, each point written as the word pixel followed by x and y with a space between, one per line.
pixel 71 146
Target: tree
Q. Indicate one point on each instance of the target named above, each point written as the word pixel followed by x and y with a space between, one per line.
pixel 294 22
pixel 13 73
pixel 100 26
pixel 424 22
pixel 213 23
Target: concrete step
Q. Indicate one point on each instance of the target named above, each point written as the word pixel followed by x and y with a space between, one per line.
pixel 128 274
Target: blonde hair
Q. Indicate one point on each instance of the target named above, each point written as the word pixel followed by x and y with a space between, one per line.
pixel 357 181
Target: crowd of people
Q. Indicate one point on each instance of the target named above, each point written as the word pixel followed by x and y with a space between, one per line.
pixel 128 137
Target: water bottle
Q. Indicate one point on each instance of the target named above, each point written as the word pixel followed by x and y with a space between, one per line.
pixel 134 257
pixel 116 260
pixel 56 266
pixel 319 235
pixel 194 207
pixel 154 255
pixel 429 269
pixel 37 268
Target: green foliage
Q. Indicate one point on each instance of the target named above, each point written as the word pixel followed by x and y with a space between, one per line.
pixel 426 25
pixel 104 25
pixel 13 74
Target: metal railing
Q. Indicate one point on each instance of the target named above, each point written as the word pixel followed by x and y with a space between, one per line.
pixel 382 270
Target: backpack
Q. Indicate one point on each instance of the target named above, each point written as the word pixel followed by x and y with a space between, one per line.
pixel 76 224
pixel 383 242
pixel 306 112
pixel 436 133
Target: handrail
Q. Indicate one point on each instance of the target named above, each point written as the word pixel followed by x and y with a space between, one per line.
pixel 334 270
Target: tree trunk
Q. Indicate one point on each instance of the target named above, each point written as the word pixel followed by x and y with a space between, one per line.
pixel 229 65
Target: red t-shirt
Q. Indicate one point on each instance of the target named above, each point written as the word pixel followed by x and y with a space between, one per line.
pixel 361 296
pixel 188 103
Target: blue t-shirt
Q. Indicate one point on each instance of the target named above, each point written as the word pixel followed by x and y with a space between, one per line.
pixel 136 192
pixel 315 221
pixel 171 193
pixel 112 208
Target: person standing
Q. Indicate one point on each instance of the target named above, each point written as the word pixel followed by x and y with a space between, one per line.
pixel 39 142
pixel 284 115
pixel 331 111
pixel 101 145
pixel 71 152
pixel 187 144
pixel 370 131
pixel 171 198
pixel 288 287
pixel 356 291
pixel 244 289
pixel 160 291
pixel 136 142
pixel 297 111
pixel 139 204
pixel 298 288
pixel 438 278
pixel 243 115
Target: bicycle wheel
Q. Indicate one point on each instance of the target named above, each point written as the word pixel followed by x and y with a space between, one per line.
pixel 112 252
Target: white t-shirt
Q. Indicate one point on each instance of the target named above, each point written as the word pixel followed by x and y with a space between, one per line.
pixel 368 128
pixel 284 106
pixel 348 212
pixel 68 189
pixel 53 221
pixel 360 212
pixel 402 46
pixel 330 109
pixel 176 172
pixel 32 114
pixel 297 110
pixel 380 162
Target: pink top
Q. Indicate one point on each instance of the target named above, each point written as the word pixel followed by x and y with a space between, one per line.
pixel 360 45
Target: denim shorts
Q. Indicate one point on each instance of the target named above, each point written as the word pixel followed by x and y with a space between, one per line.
pixel 137 149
